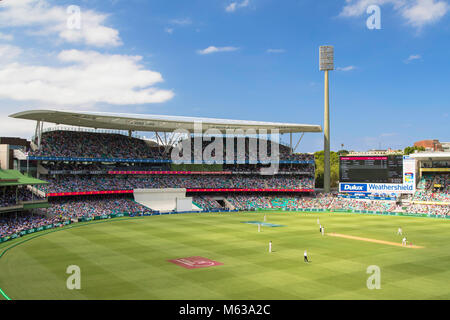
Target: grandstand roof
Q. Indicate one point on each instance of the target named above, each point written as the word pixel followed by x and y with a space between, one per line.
pixel 431 155
pixel 158 123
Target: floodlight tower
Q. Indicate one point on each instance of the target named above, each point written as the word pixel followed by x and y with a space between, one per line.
pixel 326 61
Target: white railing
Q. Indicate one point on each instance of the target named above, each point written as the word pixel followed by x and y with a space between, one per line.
pixel 36 191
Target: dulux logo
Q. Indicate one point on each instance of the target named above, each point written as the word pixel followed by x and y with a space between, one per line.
pixel 353 187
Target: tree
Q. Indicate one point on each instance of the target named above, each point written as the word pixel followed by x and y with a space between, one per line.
pixel 409 150
pixel 343 152
pixel 334 174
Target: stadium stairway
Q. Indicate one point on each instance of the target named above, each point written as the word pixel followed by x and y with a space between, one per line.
pixel 228 205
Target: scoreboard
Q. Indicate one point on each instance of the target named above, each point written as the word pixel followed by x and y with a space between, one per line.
pixel 371 169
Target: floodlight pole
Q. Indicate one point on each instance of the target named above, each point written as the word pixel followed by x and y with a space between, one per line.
pixel 326 60
pixel 326 130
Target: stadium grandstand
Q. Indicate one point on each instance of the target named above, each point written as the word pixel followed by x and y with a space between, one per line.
pixel 433 187
pixel 95 166
pixel 94 163
pixel 18 192
pixel 21 204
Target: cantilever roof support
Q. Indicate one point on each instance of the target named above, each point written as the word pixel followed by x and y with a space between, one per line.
pixel 298 142
pixel 39 129
pixel 36 131
pixel 290 143
pixel 158 138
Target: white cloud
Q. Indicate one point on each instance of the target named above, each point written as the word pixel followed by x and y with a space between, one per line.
pixel 236 5
pixel 213 49
pixel 348 68
pixel 231 7
pixel 83 78
pixel 184 22
pixel 424 12
pixel 8 53
pixel 181 22
pixel 43 19
pixel 413 57
pixel 6 37
pixel 276 51
pixel 10 127
pixel 417 13
pixel 355 8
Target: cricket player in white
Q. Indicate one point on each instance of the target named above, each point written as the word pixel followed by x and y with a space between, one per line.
pixel 305 257
pixel 265 218
pixel 323 230
pixel 270 246
pixel 318 221
pixel 400 231
pixel 259 227
pixel 404 241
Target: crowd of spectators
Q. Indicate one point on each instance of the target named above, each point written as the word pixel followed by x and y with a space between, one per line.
pixel 249 202
pixel 358 204
pixel 61 210
pixel 431 209
pixel 282 168
pixel 206 203
pixel 83 183
pixel 433 188
pixel 60 167
pixel 75 144
pixel 11 223
pixel 73 208
pixel 241 149
pixel 328 202
pixel 11 196
pixel 95 206
pixel 73 166
pixel 69 209
pixel 317 201
pixel 430 196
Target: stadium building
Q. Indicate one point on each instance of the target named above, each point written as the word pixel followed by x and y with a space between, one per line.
pixel 94 166
pixel 433 187
pixel 98 162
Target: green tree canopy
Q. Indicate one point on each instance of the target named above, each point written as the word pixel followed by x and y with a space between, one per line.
pixel 334 176
pixel 409 150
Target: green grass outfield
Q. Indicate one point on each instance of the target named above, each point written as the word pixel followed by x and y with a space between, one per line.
pixel 127 258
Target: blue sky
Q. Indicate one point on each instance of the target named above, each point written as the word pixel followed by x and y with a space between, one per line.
pixel 234 59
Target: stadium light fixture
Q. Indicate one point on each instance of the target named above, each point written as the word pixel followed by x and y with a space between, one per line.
pixel 326 63
pixel 326 58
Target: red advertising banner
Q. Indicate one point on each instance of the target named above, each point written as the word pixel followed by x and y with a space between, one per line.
pixel 87 193
pixel 365 158
pixel 249 190
pixel 169 172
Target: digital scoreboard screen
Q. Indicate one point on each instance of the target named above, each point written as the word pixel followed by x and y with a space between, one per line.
pixel 371 169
